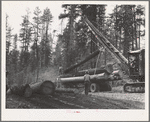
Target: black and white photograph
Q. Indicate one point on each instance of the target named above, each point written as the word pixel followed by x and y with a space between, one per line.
pixel 75 60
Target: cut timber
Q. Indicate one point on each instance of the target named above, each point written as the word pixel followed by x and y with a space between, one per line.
pixel 102 76
pixel 43 87
pixel 66 75
pixel 82 62
pixel 23 90
pixel 105 69
pixel 64 90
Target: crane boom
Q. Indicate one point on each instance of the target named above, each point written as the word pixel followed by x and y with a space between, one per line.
pixel 105 42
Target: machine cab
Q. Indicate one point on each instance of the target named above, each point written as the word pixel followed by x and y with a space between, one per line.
pixel 137 64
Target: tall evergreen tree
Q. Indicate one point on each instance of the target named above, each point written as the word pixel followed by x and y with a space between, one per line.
pixel 14 55
pixel 25 38
pixel 25 32
pixel 8 42
pixel 127 22
pixel 69 40
pixel 81 37
pixel 37 26
pixel 46 42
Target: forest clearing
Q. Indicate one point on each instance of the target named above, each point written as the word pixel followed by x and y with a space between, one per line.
pixel 76 99
pixel 71 98
pixel 48 58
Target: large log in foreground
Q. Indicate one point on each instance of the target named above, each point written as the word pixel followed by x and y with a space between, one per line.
pixel 23 90
pixel 82 62
pixel 43 87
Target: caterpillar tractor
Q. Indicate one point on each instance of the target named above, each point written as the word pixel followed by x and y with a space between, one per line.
pixel 101 78
pixel 137 72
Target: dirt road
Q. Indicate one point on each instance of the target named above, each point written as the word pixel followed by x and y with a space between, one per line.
pixel 72 101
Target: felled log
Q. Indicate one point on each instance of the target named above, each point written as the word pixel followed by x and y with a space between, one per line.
pixel 43 87
pixel 105 69
pixel 64 90
pixel 92 55
pixel 102 76
pixel 66 76
pixel 23 90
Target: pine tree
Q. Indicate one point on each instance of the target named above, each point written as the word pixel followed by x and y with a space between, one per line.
pixel 69 40
pixel 126 27
pixel 25 32
pixel 14 55
pixel 140 21
pixel 46 42
pixel 25 38
pixel 59 51
pixel 8 42
pixel 96 15
pixel 37 27
pixel 81 37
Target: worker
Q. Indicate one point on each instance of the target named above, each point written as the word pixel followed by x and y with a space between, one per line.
pixel 60 70
pixel 87 82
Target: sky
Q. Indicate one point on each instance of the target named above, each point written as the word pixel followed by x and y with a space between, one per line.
pixel 17 9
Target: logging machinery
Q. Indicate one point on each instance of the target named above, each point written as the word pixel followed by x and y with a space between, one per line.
pixel 101 79
pixel 136 71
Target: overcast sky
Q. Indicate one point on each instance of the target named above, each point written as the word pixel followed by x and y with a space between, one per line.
pixel 16 9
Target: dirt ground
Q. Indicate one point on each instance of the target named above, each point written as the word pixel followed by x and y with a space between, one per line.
pixel 78 100
pixel 115 99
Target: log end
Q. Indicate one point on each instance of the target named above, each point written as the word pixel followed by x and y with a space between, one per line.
pixel 109 68
pixel 27 91
pixel 47 87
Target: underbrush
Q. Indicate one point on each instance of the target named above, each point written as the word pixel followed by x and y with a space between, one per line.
pixel 24 77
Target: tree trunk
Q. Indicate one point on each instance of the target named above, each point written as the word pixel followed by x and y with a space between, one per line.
pixel 64 90
pixel 44 87
pixel 116 29
pixel 80 79
pixel 37 60
pixel 105 69
pixel 23 90
pixel 139 37
pixel 135 30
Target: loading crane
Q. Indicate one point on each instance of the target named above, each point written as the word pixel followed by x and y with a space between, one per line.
pixel 102 79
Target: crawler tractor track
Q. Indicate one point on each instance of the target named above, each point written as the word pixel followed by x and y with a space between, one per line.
pixel 134 87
